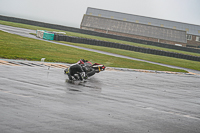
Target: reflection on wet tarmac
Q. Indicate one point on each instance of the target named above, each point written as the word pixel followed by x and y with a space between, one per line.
pixel 38 99
pixel 91 84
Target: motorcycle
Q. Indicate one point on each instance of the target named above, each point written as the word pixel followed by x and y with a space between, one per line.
pixel 89 69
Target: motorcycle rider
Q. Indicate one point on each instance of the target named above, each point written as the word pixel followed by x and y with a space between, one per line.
pixel 75 69
pixel 82 68
pixel 89 71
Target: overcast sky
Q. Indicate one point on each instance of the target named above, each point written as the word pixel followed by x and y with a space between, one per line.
pixel 70 12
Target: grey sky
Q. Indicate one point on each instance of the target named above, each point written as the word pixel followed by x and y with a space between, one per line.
pixel 70 12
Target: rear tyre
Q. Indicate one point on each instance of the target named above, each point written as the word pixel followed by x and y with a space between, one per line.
pixel 91 73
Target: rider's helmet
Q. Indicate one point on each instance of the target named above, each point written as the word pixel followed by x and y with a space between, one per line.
pixel 84 60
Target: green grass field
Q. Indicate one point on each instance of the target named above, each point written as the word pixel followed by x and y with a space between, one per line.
pixel 95 37
pixel 154 58
pixel 17 47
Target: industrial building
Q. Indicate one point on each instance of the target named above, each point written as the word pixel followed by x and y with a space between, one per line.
pixel 146 28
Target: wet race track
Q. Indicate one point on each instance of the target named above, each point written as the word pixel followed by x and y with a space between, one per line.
pixel 37 98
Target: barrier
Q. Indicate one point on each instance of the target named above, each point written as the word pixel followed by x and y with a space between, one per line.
pixel 48 36
pixel 86 41
pixel 116 45
pixel 39 33
pixel 56 37
pixel 92 42
pixel 45 35
pixel 61 37
pixel 73 39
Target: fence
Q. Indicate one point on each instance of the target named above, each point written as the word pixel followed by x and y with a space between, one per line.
pixel 60 37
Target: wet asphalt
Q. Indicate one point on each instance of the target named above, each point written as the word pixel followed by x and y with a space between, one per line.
pixel 37 98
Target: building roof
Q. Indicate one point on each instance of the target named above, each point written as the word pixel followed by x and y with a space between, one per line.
pixel 189 28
